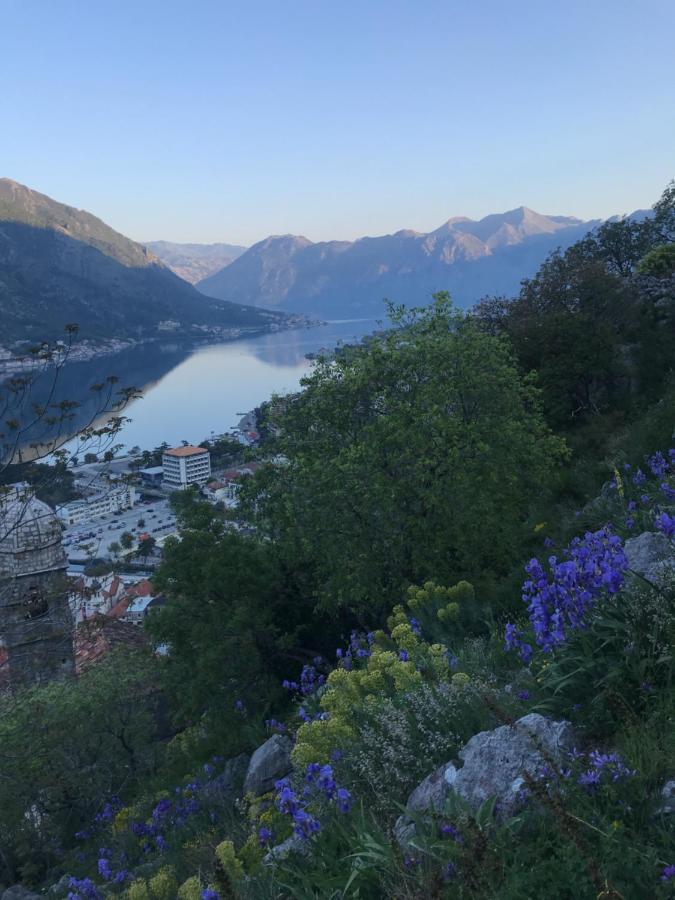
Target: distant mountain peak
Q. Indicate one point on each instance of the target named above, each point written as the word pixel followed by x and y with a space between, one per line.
pixel 468 257
pixel 60 265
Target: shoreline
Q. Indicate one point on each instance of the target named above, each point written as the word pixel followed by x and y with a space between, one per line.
pixel 87 349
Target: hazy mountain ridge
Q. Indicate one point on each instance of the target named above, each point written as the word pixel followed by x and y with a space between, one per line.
pixel 345 278
pixel 60 265
pixel 195 262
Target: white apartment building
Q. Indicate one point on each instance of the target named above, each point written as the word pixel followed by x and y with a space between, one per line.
pixel 113 500
pixel 184 466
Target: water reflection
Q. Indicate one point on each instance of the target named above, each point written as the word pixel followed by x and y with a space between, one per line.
pixel 191 394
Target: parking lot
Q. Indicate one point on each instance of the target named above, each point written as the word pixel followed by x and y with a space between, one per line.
pixel 93 538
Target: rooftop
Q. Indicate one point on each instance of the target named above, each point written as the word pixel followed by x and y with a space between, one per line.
pixel 185 451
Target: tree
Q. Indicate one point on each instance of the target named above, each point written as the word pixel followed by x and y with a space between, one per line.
pixel 146 546
pixel 232 620
pixel 659 262
pixel 88 739
pixel 115 549
pixel 141 523
pixel 126 540
pixel 90 458
pixel 420 455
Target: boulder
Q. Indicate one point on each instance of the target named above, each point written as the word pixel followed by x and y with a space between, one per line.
pixel 271 761
pixel 667 805
pixel 19 892
pixel 651 555
pixel 494 765
pixel 228 784
pixel 292 844
pixel 495 761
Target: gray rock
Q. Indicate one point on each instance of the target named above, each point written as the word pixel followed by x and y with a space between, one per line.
pixel 228 784
pixel 271 761
pixel 494 765
pixel 429 796
pixel 60 888
pixel 19 892
pixel 667 806
pixel 495 761
pixel 292 844
pixel 651 555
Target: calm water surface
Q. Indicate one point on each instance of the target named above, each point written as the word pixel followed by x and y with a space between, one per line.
pixel 190 395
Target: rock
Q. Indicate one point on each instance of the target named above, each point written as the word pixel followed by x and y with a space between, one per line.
pixel 667 806
pixel 271 761
pixel 495 761
pixel 19 892
pixel 651 555
pixel 494 764
pixel 60 888
pixel 228 784
pixel 429 796
pixel 292 844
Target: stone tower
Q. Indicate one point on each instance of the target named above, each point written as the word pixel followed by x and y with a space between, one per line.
pixel 36 625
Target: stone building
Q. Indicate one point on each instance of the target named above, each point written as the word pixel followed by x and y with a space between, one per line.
pixel 36 625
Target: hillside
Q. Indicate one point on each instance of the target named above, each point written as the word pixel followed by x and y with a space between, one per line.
pixel 60 265
pixel 195 262
pixel 342 278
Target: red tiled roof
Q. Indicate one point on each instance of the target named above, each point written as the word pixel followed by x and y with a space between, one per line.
pixel 96 637
pixel 185 451
pixel 141 589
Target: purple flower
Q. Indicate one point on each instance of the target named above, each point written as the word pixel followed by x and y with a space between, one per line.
pixel 239 706
pixel 666 524
pixel 523 695
pixel 639 478
pixel 668 491
pixel 208 894
pixel 658 464
pixel 264 836
pixel 343 800
pixel 104 869
pixel 668 873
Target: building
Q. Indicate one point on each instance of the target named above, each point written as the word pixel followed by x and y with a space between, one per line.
pixel 98 505
pixel 94 595
pixel 36 625
pixel 184 466
pixel 139 608
pixel 152 476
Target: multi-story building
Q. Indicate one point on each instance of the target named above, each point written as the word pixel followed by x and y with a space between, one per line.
pixel 184 466
pixel 113 500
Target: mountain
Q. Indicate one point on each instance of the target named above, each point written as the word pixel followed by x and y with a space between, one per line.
pixel 195 262
pixel 60 265
pixel 341 279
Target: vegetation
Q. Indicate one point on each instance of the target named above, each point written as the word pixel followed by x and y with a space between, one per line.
pixel 370 607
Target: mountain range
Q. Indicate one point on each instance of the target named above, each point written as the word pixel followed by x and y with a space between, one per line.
pixel 195 262
pixel 60 265
pixel 342 279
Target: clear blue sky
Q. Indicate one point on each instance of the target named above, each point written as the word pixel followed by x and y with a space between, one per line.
pixel 211 120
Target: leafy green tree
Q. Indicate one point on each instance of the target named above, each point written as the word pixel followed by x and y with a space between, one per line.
pixel 659 262
pixel 231 622
pixel 115 549
pixel 126 540
pixel 419 455
pixel 66 748
pixel 146 546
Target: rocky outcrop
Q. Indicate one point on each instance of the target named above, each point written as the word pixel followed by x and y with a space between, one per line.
pixel 667 804
pixel 494 765
pixel 271 761
pixel 18 892
pixel 651 554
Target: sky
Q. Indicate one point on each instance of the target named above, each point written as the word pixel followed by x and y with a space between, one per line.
pixel 218 121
